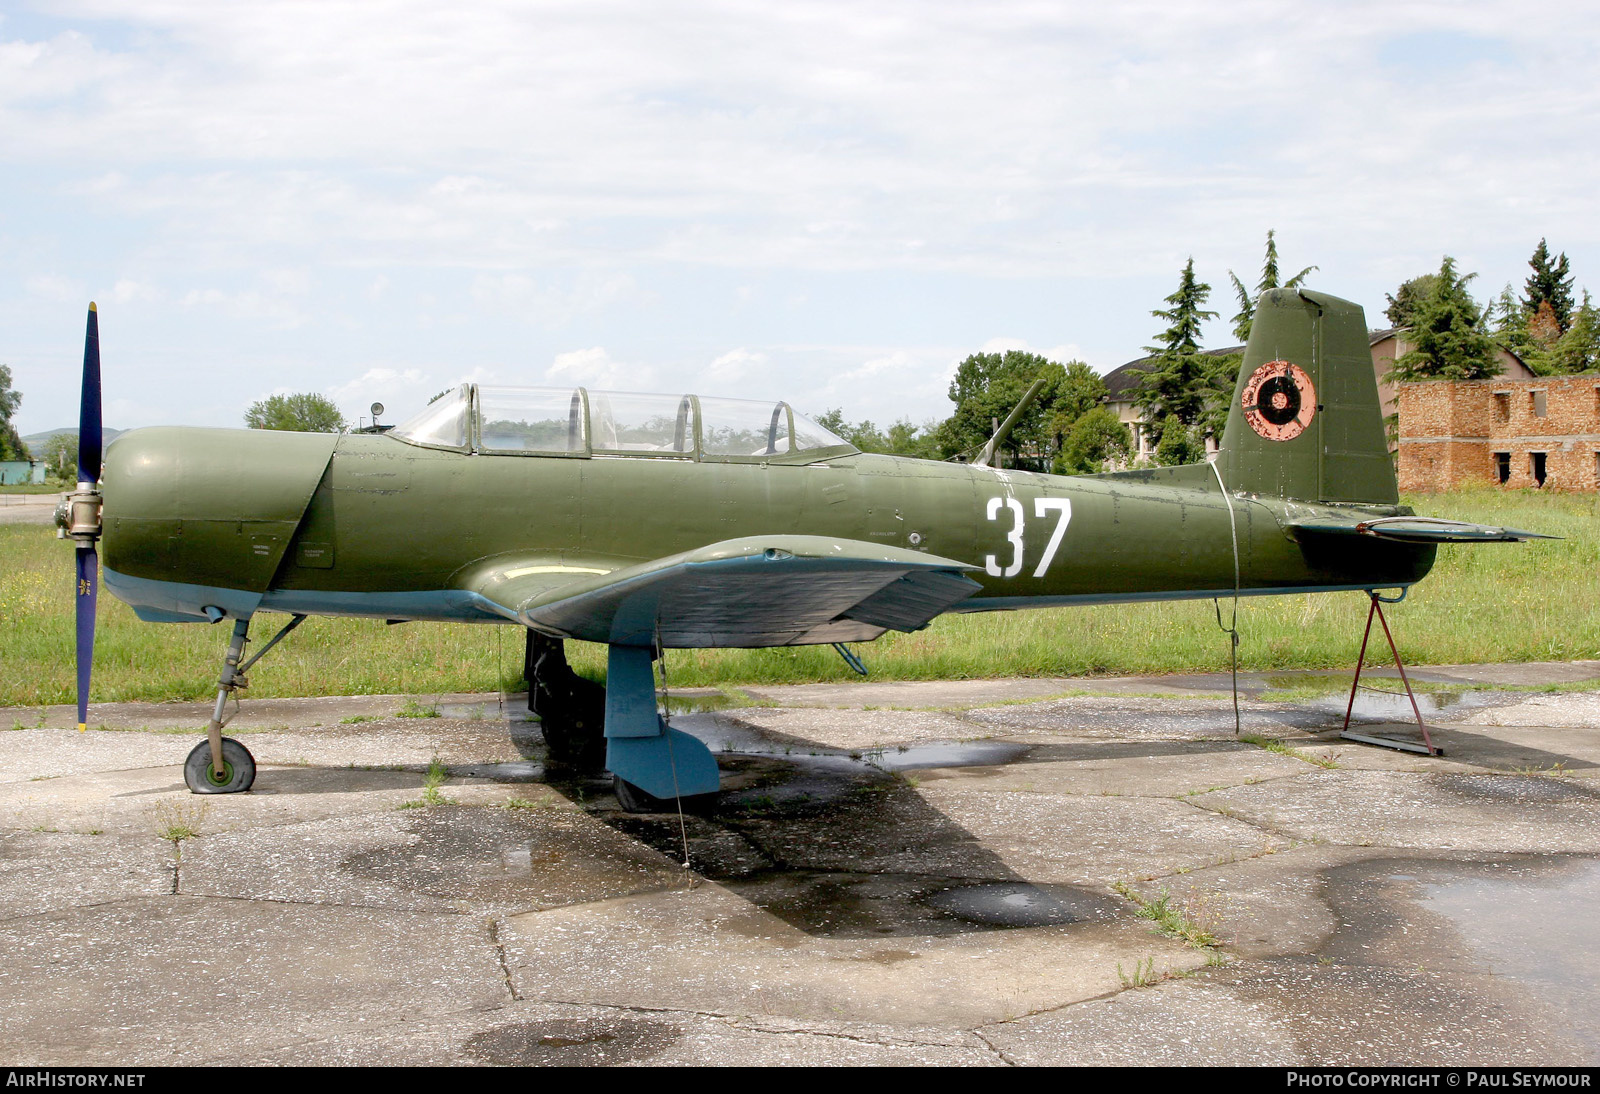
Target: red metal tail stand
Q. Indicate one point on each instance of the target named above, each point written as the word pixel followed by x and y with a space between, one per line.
pixel 1427 747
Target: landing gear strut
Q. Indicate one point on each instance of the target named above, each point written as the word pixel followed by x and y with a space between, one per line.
pixel 218 764
pixel 590 728
pixel 570 709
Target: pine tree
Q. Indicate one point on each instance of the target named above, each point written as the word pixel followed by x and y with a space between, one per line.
pixel 1181 381
pixel 1404 303
pixel 1579 349
pixel 1447 337
pixel 1552 282
pixel 1269 280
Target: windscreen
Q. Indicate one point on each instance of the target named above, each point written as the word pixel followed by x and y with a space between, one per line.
pixel 442 422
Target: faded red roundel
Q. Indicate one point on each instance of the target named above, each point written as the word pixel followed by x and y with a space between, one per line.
pixel 1279 401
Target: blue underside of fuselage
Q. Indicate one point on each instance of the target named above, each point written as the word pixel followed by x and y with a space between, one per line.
pixel 175 602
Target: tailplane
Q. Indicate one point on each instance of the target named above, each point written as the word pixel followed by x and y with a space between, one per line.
pixel 1305 420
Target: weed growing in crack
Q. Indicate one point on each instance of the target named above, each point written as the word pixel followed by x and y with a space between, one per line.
pixel 178 820
pixel 1144 974
pixel 1272 744
pixel 1195 921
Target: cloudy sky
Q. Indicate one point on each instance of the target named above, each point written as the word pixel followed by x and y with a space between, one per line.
pixel 828 202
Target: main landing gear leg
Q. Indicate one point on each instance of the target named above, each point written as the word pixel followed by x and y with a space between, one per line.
pixel 570 709
pixel 652 764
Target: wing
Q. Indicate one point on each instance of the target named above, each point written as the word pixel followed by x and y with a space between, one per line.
pixel 749 592
pixel 1418 530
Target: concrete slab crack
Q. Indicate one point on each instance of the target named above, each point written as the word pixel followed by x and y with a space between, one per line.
pixel 500 956
pixel 993 1048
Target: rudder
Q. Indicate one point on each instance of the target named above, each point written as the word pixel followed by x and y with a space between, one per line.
pixel 1305 421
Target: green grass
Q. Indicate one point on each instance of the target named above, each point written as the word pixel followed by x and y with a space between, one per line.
pixel 1485 603
pixel 1272 744
pixel 1194 922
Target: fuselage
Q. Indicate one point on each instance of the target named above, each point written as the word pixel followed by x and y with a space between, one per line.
pixel 205 523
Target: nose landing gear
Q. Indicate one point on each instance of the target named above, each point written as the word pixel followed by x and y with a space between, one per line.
pixel 218 764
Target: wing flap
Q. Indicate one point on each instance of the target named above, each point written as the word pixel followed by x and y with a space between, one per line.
pixel 749 592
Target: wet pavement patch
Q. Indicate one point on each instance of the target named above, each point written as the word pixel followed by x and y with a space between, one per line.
pixel 843 904
pixel 572 1042
pixel 1531 924
pixel 945 754
pixel 1019 904
pixel 1517 789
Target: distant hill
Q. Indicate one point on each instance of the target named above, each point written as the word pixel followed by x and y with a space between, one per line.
pixel 35 441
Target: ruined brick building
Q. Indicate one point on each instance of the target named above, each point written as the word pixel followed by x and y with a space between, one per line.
pixel 1543 432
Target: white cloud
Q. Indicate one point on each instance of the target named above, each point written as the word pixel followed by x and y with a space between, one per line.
pixel 128 291
pixel 594 367
pixel 736 364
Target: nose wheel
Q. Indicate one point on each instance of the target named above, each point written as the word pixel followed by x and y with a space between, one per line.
pixel 237 774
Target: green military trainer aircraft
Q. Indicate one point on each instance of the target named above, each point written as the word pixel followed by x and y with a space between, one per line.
pixel 654 522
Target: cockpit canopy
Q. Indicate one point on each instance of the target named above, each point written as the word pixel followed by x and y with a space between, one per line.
pixel 571 421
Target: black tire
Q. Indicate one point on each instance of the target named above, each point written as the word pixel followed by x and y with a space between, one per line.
pixel 239 769
pixel 574 744
pixel 634 800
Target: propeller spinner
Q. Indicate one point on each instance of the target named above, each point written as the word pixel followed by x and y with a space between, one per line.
pixel 78 515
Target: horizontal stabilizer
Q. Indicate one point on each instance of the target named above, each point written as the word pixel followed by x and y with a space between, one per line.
pixel 1419 530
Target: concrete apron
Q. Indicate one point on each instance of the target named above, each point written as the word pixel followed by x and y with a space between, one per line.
pixel 957 884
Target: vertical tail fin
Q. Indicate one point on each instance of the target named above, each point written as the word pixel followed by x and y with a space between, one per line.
pixel 1305 421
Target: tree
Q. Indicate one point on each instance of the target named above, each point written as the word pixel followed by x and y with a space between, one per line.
pixel 1095 439
pixel 1269 280
pixel 988 386
pixel 304 412
pixel 1404 303
pixel 903 439
pixel 1550 283
pixel 60 451
pixel 1182 382
pixel 11 446
pixel 1446 334
pixel 1578 350
pixel 1178 444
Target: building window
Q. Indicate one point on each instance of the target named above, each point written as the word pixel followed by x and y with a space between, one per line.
pixel 1539 406
pixel 1502 467
pixel 1502 406
pixel 1536 467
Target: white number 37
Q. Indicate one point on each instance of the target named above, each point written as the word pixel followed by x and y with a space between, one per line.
pixel 1041 506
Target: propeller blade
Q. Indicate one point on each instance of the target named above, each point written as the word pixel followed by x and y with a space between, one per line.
pixel 88 593
pixel 89 430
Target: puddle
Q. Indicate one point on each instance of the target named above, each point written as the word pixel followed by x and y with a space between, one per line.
pixel 698 702
pixel 486 711
pixel 1018 904
pixel 1537 930
pixel 943 754
pixel 858 905
pixel 1395 706
pixel 572 1042
pixel 516 771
